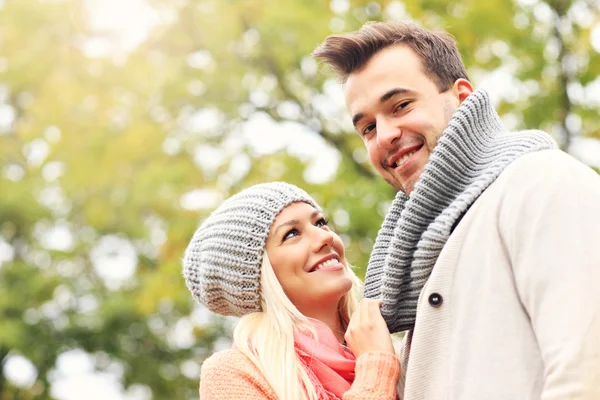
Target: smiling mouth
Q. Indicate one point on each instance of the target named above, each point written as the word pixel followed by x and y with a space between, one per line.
pixel 402 160
pixel 325 264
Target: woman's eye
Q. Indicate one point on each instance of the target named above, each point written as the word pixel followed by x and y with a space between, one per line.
pixel 290 234
pixel 322 222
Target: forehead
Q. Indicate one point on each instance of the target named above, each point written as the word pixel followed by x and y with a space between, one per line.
pixel 295 211
pixel 299 211
pixel 396 66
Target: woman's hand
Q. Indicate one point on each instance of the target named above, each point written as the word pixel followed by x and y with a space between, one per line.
pixel 367 330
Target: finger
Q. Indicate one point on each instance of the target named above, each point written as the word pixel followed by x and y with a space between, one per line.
pixel 375 317
pixel 365 310
pixel 379 304
pixel 353 325
pixel 354 320
pixel 374 309
pixel 372 314
pixel 376 305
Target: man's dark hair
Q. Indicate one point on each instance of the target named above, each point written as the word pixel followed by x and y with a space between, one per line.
pixel 348 53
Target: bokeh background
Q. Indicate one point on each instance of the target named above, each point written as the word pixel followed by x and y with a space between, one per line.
pixel 123 123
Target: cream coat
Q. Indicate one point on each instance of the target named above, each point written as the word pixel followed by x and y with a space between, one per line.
pixel 519 281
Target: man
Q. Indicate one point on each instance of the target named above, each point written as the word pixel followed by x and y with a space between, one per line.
pixel 490 253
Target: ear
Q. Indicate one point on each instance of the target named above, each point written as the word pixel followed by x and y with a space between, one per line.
pixel 462 88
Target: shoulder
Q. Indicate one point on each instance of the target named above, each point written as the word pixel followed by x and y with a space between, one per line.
pixel 544 195
pixel 231 361
pixel 550 174
pixel 546 189
pixel 549 166
pixel 230 374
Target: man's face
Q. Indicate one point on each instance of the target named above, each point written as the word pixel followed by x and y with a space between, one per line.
pixel 400 113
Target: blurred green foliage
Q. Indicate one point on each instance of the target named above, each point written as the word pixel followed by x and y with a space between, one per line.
pixel 133 148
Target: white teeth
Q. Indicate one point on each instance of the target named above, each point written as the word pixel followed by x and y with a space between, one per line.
pixel 405 157
pixel 326 264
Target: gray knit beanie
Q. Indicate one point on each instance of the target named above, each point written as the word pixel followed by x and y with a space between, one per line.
pixel 222 262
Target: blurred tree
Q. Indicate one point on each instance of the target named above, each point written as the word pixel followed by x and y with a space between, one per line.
pixel 109 161
pixel 87 194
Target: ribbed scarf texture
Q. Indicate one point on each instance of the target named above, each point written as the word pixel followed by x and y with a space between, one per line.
pixel 472 151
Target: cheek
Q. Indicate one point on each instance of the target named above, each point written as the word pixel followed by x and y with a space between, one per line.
pixel 434 135
pixel 428 127
pixel 279 262
pixel 419 120
pixel 339 246
pixel 375 154
pixel 288 260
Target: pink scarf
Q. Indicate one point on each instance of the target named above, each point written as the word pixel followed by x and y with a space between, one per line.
pixel 326 360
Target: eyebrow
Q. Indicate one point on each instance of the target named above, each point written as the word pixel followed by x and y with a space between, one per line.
pixel 385 97
pixel 295 221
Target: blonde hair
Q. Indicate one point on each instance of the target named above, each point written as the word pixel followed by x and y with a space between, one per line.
pixel 267 337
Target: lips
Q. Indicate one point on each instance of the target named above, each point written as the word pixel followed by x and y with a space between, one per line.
pixel 399 158
pixel 325 262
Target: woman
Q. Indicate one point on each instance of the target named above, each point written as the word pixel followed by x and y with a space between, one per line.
pixel 267 255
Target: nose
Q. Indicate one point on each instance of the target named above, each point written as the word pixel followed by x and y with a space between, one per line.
pixel 322 239
pixel 388 133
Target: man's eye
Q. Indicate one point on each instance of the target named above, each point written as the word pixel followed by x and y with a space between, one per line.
pixel 402 106
pixel 368 129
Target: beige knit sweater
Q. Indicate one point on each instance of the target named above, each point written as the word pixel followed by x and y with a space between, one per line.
pixel 518 290
pixel 231 375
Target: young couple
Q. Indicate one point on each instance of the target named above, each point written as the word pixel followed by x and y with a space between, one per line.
pixel 488 256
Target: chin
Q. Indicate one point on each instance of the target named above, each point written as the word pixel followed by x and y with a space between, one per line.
pixel 393 182
pixel 339 290
pixel 347 287
pixel 410 184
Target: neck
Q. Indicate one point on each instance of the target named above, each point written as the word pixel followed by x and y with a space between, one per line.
pixel 330 316
pixel 335 324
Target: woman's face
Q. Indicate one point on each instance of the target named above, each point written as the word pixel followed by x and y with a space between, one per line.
pixel 308 258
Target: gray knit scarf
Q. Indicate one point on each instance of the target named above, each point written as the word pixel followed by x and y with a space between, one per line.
pixel 472 151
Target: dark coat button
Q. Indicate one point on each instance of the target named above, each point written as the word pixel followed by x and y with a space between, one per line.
pixel 435 300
